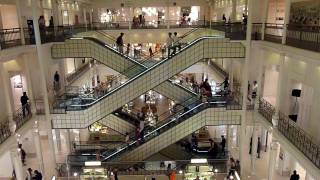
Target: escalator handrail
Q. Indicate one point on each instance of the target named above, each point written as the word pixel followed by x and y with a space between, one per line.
pixel 167 123
pixel 146 71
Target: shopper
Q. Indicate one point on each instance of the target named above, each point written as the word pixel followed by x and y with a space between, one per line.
pixel 120 43
pixel 250 146
pixel 29 174
pixel 56 81
pixel 128 49
pixel 224 19
pixel 127 138
pixel 176 43
pixel 169 43
pixel 295 176
pixel 258 147
pixel 223 144
pixel 51 25
pixel 25 104
pixel 150 52
pixel 37 175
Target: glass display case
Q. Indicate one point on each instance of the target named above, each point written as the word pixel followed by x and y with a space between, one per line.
pixel 94 173
pixel 204 171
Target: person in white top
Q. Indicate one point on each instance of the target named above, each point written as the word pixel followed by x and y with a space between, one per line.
pixel 176 43
pixel 169 43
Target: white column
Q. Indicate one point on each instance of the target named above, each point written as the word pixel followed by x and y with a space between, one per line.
pixel 264 18
pixel 287 5
pixel 55 13
pixel 58 139
pixel 238 136
pixel 37 144
pixel 259 78
pixel 29 82
pixel 43 86
pixel 6 89
pixel 130 18
pixel 85 18
pixel 234 11
pixel 167 15
pixel 229 137
pixel 254 149
pixel 91 19
pixel 68 141
pixel 231 74
pixel 275 119
pixel 309 177
pixel 274 148
pixel 18 7
pixel 17 164
pixel 245 85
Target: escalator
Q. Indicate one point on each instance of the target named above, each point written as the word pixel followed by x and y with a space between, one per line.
pixel 143 80
pixel 176 127
pixel 129 66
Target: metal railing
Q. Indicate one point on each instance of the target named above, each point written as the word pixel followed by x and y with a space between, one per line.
pixel 291 130
pixel 273 32
pixel 154 168
pixel 299 138
pixel 77 73
pixel 266 109
pixel 22 115
pixel 256 31
pixel 19 117
pixel 305 37
pixel 5 132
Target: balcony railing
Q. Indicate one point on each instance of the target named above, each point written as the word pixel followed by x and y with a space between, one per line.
pixel 273 32
pixel 301 139
pixel 266 109
pixel 4 131
pixel 19 117
pixel 291 130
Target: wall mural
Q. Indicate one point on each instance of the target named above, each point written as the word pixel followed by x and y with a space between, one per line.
pixel 305 13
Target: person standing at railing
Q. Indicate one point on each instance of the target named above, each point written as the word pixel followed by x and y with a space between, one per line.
pixel 24 99
pixel 120 43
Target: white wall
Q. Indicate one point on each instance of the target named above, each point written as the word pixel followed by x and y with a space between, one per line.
pixel 9 18
pixel 6 165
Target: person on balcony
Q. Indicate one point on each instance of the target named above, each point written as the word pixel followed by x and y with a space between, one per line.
pixel 224 19
pixel 24 103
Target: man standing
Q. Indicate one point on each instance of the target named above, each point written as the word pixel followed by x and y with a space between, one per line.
pixel 120 43
pixel 259 147
pixel 24 103
pixel 223 144
pixel 56 81
pixel 295 176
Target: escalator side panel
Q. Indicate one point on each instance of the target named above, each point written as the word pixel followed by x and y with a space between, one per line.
pixel 169 90
pixel 117 124
pixel 208 117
